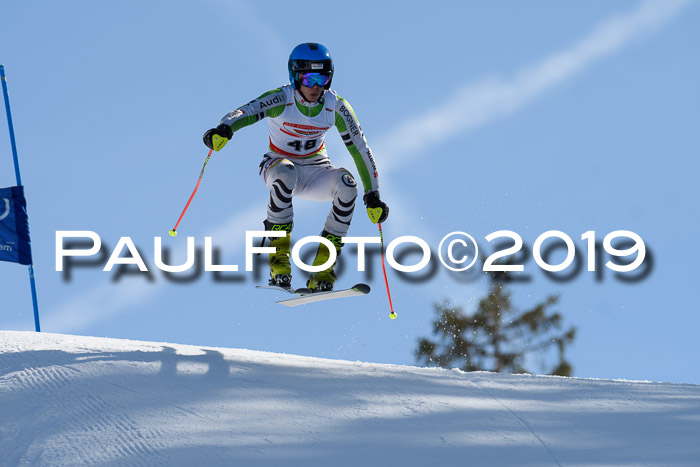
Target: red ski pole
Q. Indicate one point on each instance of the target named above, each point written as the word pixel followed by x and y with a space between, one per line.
pixel 386 281
pixel 173 231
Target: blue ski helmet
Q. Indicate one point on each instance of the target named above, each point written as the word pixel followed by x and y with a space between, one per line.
pixel 309 57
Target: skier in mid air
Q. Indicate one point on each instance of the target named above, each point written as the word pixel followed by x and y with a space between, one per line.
pixel 299 115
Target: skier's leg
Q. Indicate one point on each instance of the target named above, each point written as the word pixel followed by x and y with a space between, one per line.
pixel 280 177
pixel 344 196
pixel 338 186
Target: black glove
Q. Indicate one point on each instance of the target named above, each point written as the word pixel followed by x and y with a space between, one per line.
pixel 216 138
pixel 377 210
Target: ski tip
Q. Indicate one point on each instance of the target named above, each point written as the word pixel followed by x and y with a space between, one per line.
pixel 364 288
pixel 392 315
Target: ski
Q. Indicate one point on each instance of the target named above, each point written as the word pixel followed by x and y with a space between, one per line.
pixel 357 289
pixel 300 291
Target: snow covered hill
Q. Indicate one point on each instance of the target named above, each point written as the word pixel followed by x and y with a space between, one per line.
pixel 68 400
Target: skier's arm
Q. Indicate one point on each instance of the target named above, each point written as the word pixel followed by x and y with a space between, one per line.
pixel 354 139
pixel 270 104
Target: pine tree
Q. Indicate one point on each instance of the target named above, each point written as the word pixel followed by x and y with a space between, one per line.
pixel 496 337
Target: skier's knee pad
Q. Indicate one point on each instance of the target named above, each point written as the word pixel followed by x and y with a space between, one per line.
pixel 285 172
pixel 345 186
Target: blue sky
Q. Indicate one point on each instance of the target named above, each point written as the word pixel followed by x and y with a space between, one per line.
pixel 521 116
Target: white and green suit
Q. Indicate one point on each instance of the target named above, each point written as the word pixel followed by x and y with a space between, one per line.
pixel 297 163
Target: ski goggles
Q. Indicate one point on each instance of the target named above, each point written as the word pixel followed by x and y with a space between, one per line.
pixel 310 79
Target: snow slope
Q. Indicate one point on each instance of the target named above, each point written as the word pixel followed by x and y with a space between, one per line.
pixel 68 400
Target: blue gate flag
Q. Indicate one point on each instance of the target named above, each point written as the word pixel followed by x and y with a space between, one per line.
pixel 14 226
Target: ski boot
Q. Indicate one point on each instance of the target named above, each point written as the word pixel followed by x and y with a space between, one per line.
pixel 323 281
pixel 280 268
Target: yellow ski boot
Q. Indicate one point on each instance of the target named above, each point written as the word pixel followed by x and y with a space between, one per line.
pixel 280 268
pixel 323 281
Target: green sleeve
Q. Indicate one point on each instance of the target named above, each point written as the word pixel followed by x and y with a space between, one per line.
pixel 269 104
pixel 354 139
